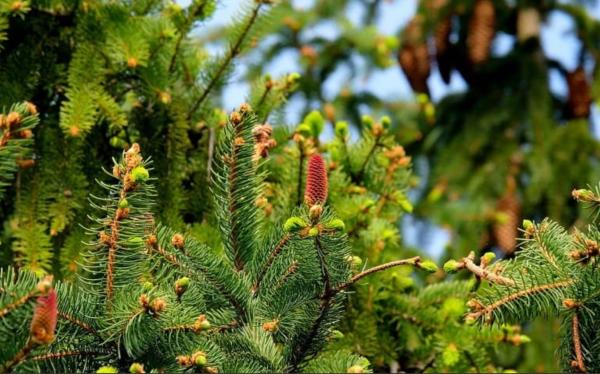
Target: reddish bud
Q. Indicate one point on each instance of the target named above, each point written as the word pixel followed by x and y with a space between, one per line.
pixel 43 322
pixel 316 181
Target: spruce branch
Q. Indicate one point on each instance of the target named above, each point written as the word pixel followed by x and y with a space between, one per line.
pixel 18 303
pixel 409 261
pixel 127 174
pixel 19 357
pixel 235 183
pixel 265 268
pixel 232 53
pixel 84 326
pixel 63 354
pixel 291 270
pixel 487 310
pixel 198 9
pixel 300 180
pixel 358 176
pixel 154 245
pixel 543 248
pixel 479 271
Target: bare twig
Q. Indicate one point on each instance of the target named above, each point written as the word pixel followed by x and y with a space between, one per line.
pixel 578 363
pixel 484 273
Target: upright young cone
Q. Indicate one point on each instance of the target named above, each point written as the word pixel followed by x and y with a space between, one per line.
pixel 316 181
pixel 43 322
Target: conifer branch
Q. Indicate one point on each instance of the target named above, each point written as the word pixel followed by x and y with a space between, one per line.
pixel 234 50
pixel 517 295
pixel 485 273
pixel 545 252
pixel 195 328
pixel 184 30
pixel 359 175
pixel 212 138
pixel 302 348
pixel 17 303
pixel 300 175
pixel 234 179
pixel 120 213
pixel 19 357
pixel 276 251
pixel 288 273
pixel 172 259
pixel 578 363
pixel 326 300
pixel 325 277
pixel 375 269
pixel 78 323
pixel 59 355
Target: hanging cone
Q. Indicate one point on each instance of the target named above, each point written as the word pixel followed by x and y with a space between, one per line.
pixel 528 24
pixel 505 231
pixel 580 97
pixel 481 31
pixel 414 57
pixel 443 48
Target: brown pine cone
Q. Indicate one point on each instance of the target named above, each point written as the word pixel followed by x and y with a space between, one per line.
pixel 414 57
pixel 481 31
pixel 580 97
pixel 505 233
pixel 443 51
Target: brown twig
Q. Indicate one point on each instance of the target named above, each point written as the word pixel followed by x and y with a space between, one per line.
pixel 375 269
pixel 579 363
pixel 54 355
pixel 484 273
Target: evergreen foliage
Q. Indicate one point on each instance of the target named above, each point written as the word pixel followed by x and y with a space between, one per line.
pixel 153 297
pixel 237 246
pixel 553 274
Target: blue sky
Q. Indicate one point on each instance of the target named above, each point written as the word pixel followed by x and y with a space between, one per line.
pixel 558 41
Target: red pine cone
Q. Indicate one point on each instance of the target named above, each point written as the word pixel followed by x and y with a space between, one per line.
pixel 316 181
pixel 482 28
pixel 580 97
pixel 43 322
